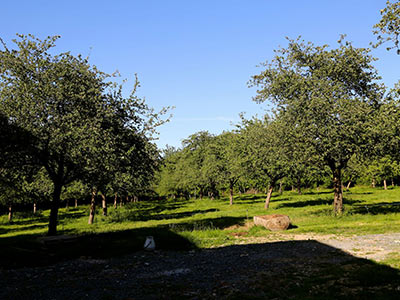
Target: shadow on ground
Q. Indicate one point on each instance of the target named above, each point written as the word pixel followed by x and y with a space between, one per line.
pixel 280 270
pixel 315 202
pixel 35 250
pixel 377 208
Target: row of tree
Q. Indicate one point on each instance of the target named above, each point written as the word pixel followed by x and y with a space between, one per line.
pixel 331 116
pixel 67 125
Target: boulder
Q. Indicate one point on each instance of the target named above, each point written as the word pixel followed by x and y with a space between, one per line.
pixel 273 222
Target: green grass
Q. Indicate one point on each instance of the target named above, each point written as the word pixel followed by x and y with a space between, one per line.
pixel 209 223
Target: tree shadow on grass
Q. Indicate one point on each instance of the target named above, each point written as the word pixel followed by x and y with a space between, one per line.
pixel 208 224
pixel 279 270
pixel 22 228
pixel 377 208
pixel 315 202
pixel 316 192
pixel 148 215
pixel 181 214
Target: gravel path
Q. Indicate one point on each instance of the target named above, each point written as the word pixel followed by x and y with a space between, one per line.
pixel 371 246
pixel 263 270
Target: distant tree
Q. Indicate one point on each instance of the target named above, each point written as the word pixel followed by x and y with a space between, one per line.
pixel 37 188
pixel 197 166
pixel 332 96
pixel 74 191
pixel 231 163
pixel 266 158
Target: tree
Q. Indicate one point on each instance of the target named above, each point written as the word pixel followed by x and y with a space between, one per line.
pixel 266 158
pixel 331 96
pixel 230 149
pixel 388 28
pixel 68 106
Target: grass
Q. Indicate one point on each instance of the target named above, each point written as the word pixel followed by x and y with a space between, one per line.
pixel 207 223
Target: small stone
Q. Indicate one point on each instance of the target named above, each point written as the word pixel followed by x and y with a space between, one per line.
pixel 273 222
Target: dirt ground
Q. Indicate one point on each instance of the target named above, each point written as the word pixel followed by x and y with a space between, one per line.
pixel 371 246
pixel 283 267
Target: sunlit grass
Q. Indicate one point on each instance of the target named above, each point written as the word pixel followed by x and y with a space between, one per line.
pixel 210 223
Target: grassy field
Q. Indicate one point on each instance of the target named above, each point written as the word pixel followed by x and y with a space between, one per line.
pixel 184 224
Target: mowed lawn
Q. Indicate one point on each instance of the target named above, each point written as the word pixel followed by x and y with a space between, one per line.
pixel 205 223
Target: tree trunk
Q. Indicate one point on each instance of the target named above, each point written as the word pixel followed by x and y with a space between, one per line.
pixel 127 199
pixel 348 186
pixel 293 189
pixel 338 192
pixel 54 209
pixel 76 202
pixel 115 200
pixel 271 188
pixel 392 182
pixel 10 212
pixel 92 207
pixel 231 193
pixel 104 204
pixel 67 204
pixel 384 184
pixel 373 182
pixel 34 208
pixel 298 186
pixel 280 187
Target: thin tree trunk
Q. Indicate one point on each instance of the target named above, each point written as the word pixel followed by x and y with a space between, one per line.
pixel 127 199
pixel 10 212
pixel 115 200
pixel 120 201
pixel 67 204
pixel 392 182
pixel 348 186
pixel 104 204
pixel 373 182
pixel 231 193
pixel 54 209
pixel 34 208
pixel 271 188
pixel 92 207
pixel 293 189
pixel 298 186
pixel 280 187
pixel 384 184
pixel 338 192
pixel 76 202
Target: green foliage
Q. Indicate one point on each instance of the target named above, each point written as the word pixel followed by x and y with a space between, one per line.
pixel 329 97
pixel 79 125
pixel 388 28
pixel 266 157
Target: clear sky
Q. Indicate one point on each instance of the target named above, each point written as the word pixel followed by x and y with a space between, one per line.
pixel 195 55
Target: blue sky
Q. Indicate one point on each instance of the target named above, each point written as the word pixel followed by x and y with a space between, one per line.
pixel 195 55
